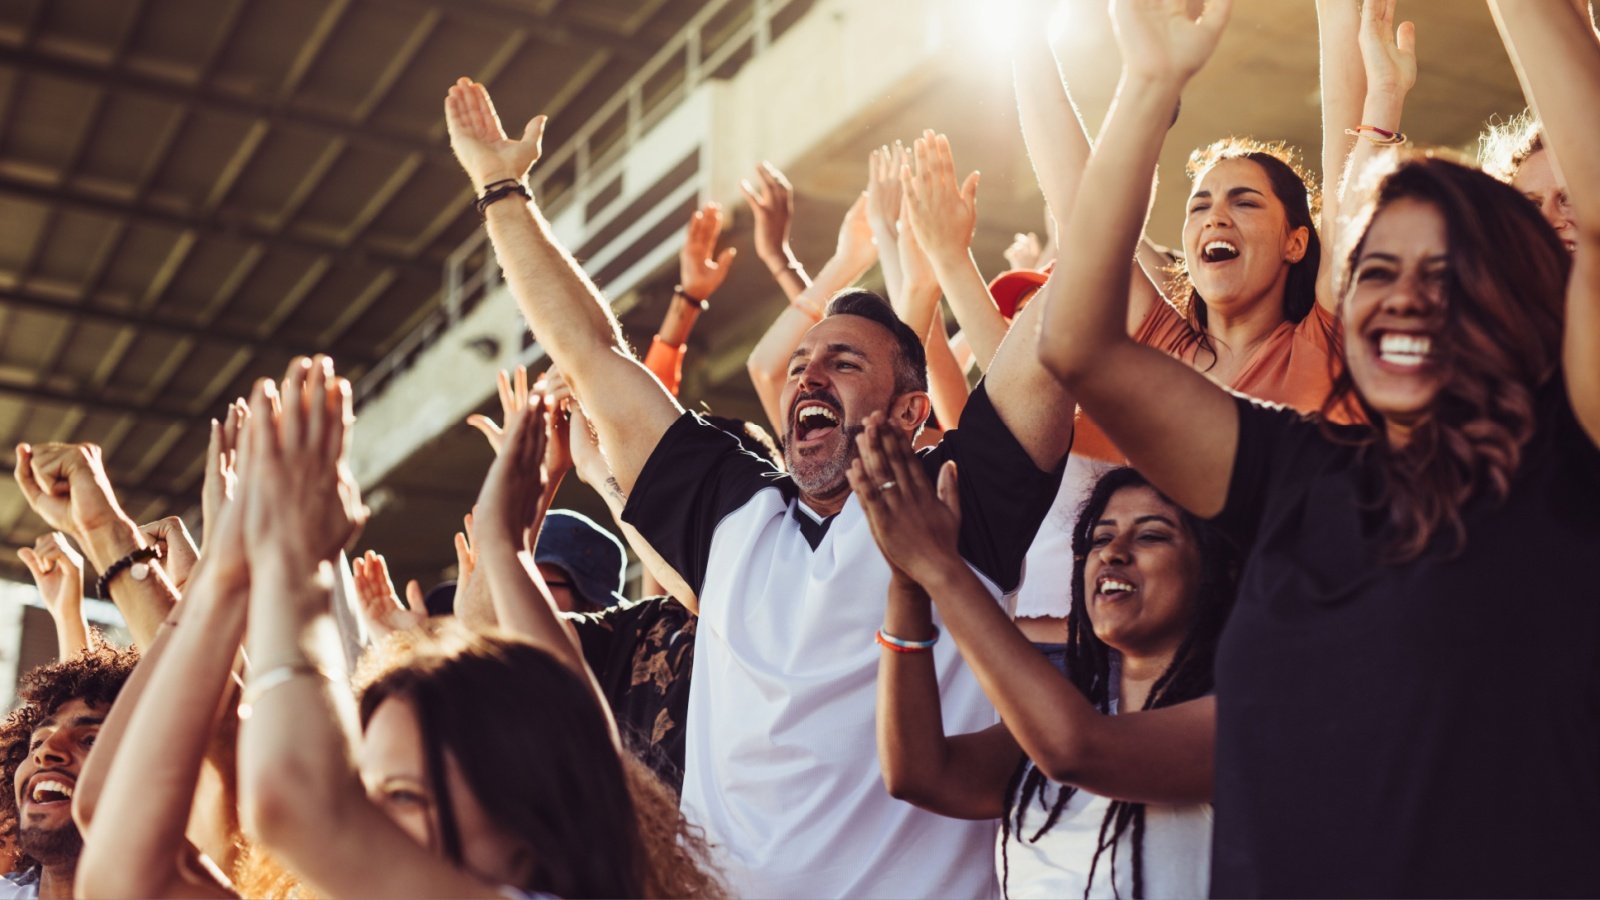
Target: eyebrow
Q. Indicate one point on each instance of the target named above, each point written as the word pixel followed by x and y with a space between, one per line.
pixel 74 722
pixel 1391 258
pixel 836 347
pixel 1232 192
pixel 1153 517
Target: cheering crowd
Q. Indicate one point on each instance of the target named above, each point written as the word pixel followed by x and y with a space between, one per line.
pixel 1254 569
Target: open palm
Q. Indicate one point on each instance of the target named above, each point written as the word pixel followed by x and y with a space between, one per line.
pixel 479 141
pixel 1160 39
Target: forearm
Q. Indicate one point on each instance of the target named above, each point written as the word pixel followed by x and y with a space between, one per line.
pixel 144 603
pixel 768 363
pixel 521 603
pixel 72 629
pixel 92 780
pixel 883 235
pixel 911 741
pixel 947 383
pixel 1141 757
pixel 1057 142
pixel 787 271
pixel 976 314
pixel 1086 297
pixel 150 788
pixel 1344 85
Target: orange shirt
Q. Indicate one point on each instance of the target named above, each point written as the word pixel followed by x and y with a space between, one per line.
pixel 1294 366
pixel 666 362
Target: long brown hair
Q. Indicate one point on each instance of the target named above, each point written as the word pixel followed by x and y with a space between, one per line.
pixel 534 748
pixel 1500 341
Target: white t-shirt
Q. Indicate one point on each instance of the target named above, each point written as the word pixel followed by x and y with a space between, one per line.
pixel 1177 850
pixel 1047 579
pixel 781 762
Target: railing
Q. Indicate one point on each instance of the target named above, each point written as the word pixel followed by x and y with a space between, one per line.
pixel 715 43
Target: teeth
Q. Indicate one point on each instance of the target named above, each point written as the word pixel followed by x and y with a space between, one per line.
pixel 811 413
pixel 1405 349
pixel 50 785
pixel 1222 249
pixel 1113 586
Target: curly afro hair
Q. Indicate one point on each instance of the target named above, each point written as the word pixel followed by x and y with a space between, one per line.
pixel 95 676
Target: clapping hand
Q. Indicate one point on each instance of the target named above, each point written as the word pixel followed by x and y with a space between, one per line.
pixel 916 525
pixel 884 192
pixel 772 206
pixel 1161 40
pixel 855 235
pixel 943 211
pixel 222 459
pixel 701 269
pixel 379 603
pixel 517 478
pixel 480 142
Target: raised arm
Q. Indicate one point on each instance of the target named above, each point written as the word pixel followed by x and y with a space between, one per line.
pixel 564 309
pixel 1557 58
pixel 57 570
pixel 1177 427
pixel 769 359
pixel 1160 756
pixel 883 213
pixel 1344 86
pixel 66 484
pixel 701 271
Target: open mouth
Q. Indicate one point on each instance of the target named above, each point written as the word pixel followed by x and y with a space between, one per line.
pixel 1110 587
pixel 1219 252
pixel 1404 350
pixel 814 419
pixel 49 790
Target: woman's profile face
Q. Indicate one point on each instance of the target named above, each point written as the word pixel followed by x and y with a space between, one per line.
pixel 1394 311
pixel 1236 237
pixel 394 769
pixel 1141 573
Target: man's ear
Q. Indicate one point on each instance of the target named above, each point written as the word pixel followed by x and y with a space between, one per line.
pixel 910 411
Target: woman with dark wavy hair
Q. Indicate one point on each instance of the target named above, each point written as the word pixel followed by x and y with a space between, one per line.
pixel 1406 687
pixel 1087 807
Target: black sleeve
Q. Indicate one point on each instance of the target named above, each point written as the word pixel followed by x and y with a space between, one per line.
pixel 1004 496
pixel 694 478
pixel 1270 435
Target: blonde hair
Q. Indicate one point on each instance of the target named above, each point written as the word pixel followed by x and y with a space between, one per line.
pixel 1505 146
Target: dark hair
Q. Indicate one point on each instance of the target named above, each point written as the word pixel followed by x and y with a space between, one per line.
pixel 752 437
pixel 1090 669
pixel 1295 189
pixel 1505 146
pixel 1499 340
pixel 911 362
pixel 94 676
pixel 533 747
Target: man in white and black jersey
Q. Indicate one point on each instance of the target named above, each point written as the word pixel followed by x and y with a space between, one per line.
pixel 782 763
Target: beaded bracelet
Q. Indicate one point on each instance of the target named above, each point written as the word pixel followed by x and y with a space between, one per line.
pixel 1383 137
pixel 499 190
pixel 901 645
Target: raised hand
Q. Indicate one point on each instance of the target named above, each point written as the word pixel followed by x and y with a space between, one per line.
pixel 66 485
pixel 178 553
pixel 916 525
pixel 480 142
pixel 771 201
pixel 222 458
pixel 558 402
pixel 1388 53
pixel 378 601
pixel 301 504
pixel 516 480
pixel 1024 251
pixel 513 391
pixel 701 269
pixel 1162 40
pixel 855 235
pixel 944 212
pixel 57 569
pixel 884 191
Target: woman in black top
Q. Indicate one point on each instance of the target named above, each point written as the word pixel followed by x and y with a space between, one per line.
pixel 1408 693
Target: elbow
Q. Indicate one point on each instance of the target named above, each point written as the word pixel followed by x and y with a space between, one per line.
pixel 1064 760
pixel 905 782
pixel 104 872
pixel 1060 357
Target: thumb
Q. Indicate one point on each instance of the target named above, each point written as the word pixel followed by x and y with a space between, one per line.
pixel 414 598
pixel 725 258
pixel 1406 37
pixel 534 131
pixel 486 425
pixel 949 484
pixel 31 560
pixel 1216 15
pixel 969 190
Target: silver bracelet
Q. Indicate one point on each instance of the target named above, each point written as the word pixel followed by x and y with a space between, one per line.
pixel 271 680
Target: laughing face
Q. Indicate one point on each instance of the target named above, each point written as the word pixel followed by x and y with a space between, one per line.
pixel 842 371
pixel 1142 574
pixel 1237 238
pixel 47 777
pixel 1394 310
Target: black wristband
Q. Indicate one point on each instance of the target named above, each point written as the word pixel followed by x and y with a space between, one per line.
pixel 500 190
pixel 102 586
pixel 678 291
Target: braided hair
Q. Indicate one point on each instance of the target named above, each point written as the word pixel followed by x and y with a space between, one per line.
pixel 1092 667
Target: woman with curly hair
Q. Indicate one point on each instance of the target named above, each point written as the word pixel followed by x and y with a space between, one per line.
pixel 1369 741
